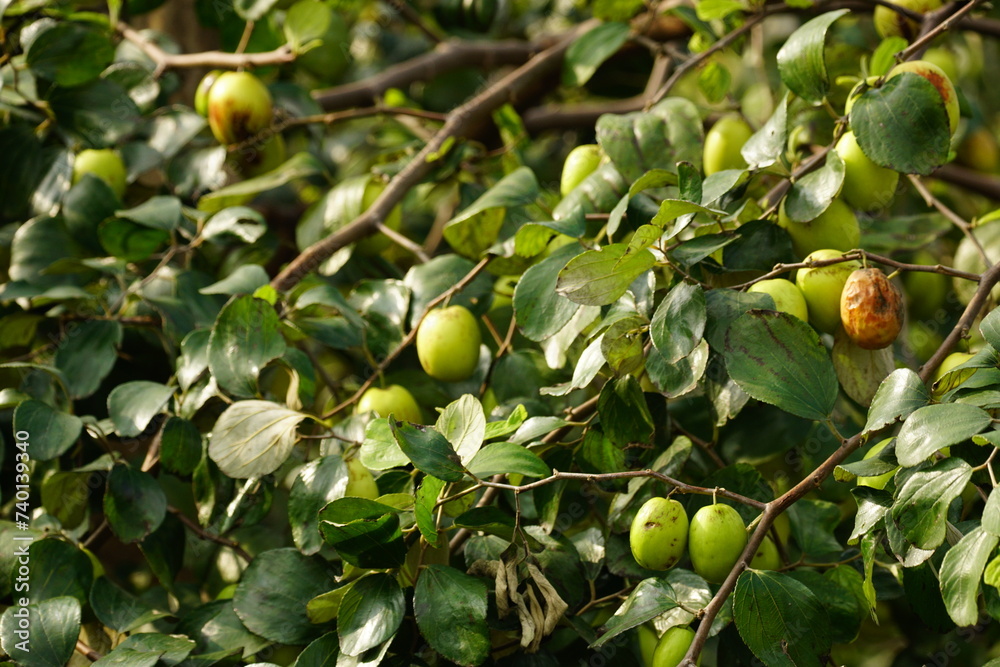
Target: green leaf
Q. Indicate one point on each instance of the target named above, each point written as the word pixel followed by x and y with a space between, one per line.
pixel 811 195
pixel 379 451
pixel 768 144
pixel 160 212
pixel 709 10
pixel 779 359
pixel 625 416
pixel 134 503
pixel 245 279
pixel 87 354
pixel 429 451
pixel 320 653
pixel 991 514
pixel 253 438
pixel 506 457
pixel 813 523
pixel 133 405
pixel 318 483
pixel 464 425
pixel 508 426
pixel 541 311
pixel 130 241
pixel 961 572
pixel 300 165
pixel 164 649
pixel 52 432
pixel 450 607
pixel 118 609
pixel 647 601
pixel 364 532
pixel 921 508
pixel 180 446
pixel 884 57
pixel 639 142
pixel 240 222
pixel 65 495
pixel 98 113
pixel 245 337
pixel 58 568
pixel 600 277
pixel 599 192
pixel 897 397
pixel 780 619
pixel 933 427
pixel 424 508
pixel 725 306
pixel 590 50
pixel 990 328
pixel 273 592
pixel 800 61
pixel 50 636
pixel 431 279
pixel 885 120
pixel 860 371
pixel 371 612
pixel 216 627
pixel 475 229
pixel 679 322
pixel 55 53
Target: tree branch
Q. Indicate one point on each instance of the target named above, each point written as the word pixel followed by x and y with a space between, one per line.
pixel 974 181
pixel 459 122
pixel 165 61
pixel 205 535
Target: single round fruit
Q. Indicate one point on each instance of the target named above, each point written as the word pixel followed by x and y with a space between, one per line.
pixel 787 297
pixel 871 309
pixel 939 79
pixel 393 400
pixel 201 93
pixel 673 646
pixel 360 481
pixel 659 533
pixel 239 106
pixel 926 292
pixel 104 163
pixel 867 186
pixel 822 285
pixel 766 557
pixel 969 259
pixel 890 23
pixel 979 150
pixel 716 540
pixel 581 162
pixel 723 143
pixel 647 640
pixel 950 362
pixel 836 228
pixel 448 344
pixel 878 481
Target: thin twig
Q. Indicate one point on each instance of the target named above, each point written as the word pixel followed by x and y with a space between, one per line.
pixel 933 25
pixel 414 17
pixel 953 217
pixel 87 652
pixel 205 535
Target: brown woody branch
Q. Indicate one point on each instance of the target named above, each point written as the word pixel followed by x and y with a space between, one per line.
pixel 165 61
pixel 974 181
pixel 460 121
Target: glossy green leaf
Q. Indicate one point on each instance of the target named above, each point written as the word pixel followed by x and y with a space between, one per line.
pixel 779 359
pixel 87 354
pixel 921 507
pixel 133 405
pixel 55 53
pixel 884 57
pixel 364 532
pixel 811 195
pixel 161 212
pixel 424 508
pixel 52 432
pixel 599 192
pixel 134 503
pixel 767 144
pixel 472 231
pixel 990 328
pixel 464 425
pixel 897 397
pixel 320 653
pixel 180 446
pixel 245 337
pixel 679 322
pixel 50 637
pixel 934 427
pixel 450 607
pixel 320 481
pixel 659 139
pixel 625 416
pixel 600 277
pixel 253 438
pixel 58 568
pixel 961 572
pixel 647 601
pixel 300 165
pixel 542 311
pixel 506 458
pixel 429 451
pixel 66 496
pixel 371 612
pixel 590 50
pixel 801 61
pixel 780 619
pixel 379 451
pixel 885 120
pixel 118 609
pixel 991 514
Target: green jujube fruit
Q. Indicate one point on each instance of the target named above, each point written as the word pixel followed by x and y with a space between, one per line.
pixel 659 533
pixel 716 539
pixel 673 646
pixel 766 557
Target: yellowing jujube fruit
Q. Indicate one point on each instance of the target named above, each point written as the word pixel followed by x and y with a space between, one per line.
pixel 393 400
pixel 716 538
pixel 867 186
pixel 581 162
pixel 890 23
pixel 723 143
pixel 787 297
pixel 360 481
pixel 835 228
pixel 822 285
pixel 766 557
pixel 201 93
pixel 939 79
pixel 673 646
pixel 104 163
pixel 448 343
pixel 239 106
pixel 659 533
pixel 877 481
pixel 871 309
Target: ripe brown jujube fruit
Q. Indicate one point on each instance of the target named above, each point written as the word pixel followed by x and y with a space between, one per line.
pixel 871 309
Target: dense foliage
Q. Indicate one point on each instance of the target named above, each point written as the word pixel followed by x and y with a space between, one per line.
pixel 330 360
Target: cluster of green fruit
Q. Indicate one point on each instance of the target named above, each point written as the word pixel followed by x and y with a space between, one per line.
pixel 448 342
pixel 714 541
